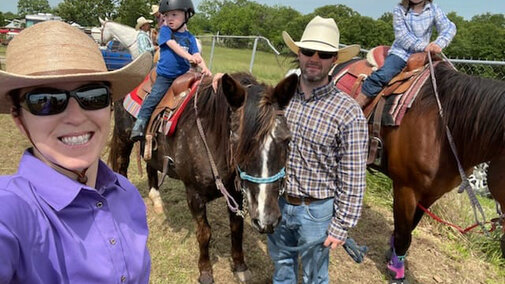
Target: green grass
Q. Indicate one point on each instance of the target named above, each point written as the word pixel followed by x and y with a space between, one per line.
pixel 267 67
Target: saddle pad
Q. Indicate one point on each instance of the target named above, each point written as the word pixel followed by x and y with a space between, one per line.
pixel 132 104
pixel 397 104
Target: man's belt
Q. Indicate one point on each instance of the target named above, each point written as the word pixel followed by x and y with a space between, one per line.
pixel 293 200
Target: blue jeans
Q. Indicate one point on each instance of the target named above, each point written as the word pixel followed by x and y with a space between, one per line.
pixel 378 79
pixel 160 87
pixel 300 225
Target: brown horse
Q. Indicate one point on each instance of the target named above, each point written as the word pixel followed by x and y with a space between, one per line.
pixel 417 156
pixel 245 132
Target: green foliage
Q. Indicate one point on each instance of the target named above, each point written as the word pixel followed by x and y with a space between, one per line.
pixel 26 7
pixel 2 20
pixel 86 13
pixel 130 10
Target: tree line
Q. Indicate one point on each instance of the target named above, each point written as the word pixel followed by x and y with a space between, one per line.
pixel 481 37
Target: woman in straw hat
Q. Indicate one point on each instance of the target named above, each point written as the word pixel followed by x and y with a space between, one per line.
pixel 143 39
pixel 324 191
pixel 65 216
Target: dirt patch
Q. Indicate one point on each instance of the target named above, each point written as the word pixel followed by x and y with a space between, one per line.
pixel 428 261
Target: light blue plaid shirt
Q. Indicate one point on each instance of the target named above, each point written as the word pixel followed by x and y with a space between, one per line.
pixel 144 43
pixel 327 157
pixel 413 31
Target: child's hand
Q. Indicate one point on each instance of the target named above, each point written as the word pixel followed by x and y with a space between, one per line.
pixel 194 59
pixel 433 48
pixel 205 71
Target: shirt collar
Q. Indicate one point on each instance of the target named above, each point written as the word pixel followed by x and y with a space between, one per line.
pixel 317 93
pixel 56 189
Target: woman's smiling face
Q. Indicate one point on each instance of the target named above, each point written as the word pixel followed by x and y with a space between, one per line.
pixel 73 139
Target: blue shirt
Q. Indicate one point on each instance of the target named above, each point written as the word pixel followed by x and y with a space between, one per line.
pixel 170 64
pixel 56 230
pixel 413 30
pixel 328 151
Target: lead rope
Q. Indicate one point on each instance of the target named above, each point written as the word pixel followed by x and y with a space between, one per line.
pixel 232 204
pixel 465 184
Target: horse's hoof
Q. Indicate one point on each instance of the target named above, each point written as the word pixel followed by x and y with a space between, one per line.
pixel 398 281
pixel 243 276
pixel 155 197
pixel 206 278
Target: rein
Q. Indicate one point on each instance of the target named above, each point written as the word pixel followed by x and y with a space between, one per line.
pixel 465 184
pixel 232 204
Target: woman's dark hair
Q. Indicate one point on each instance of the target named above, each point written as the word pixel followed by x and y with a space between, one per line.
pixel 14 96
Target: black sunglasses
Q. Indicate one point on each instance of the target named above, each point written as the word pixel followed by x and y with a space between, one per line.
pixel 49 101
pixel 322 54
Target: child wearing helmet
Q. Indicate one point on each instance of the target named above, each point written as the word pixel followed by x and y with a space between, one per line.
pixel 178 49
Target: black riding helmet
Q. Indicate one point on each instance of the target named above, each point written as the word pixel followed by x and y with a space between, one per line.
pixel 183 5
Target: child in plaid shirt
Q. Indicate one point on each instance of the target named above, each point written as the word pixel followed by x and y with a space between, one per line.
pixel 413 22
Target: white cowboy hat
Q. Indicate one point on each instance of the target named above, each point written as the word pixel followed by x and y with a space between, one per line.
pixel 322 34
pixel 55 52
pixel 142 21
pixel 154 9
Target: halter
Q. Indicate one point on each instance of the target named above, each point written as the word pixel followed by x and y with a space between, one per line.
pixel 231 202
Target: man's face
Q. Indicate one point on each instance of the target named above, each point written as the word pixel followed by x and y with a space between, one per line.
pixel 315 69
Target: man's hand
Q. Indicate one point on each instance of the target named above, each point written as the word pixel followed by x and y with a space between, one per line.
pixel 332 242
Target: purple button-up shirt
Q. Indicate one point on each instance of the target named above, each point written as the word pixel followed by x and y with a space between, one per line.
pixel 55 230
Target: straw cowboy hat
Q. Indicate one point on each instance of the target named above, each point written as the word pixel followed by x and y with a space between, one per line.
pixel 55 52
pixel 142 21
pixel 322 34
pixel 154 9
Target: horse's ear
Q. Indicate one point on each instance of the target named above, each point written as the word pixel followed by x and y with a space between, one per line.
pixel 101 21
pixel 233 91
pixel 285 90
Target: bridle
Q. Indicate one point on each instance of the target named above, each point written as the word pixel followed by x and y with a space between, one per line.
pixel 241 175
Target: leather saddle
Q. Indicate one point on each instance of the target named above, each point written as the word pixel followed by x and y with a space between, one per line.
pixel 350 79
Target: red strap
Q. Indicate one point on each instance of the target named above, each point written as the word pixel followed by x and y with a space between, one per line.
pixel 461 230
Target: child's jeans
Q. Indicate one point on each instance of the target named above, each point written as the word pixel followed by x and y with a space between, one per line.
pixel 160 87
pixel 378 79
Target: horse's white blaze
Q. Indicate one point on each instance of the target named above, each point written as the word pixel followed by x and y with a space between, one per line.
pixel 262 196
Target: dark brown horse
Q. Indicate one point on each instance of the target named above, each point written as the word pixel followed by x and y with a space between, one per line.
pixel 245 131
pixel 417 156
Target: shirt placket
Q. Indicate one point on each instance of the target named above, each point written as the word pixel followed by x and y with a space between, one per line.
pixel 111 237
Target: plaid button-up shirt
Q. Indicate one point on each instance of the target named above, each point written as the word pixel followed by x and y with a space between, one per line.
pixel 413 31
pixel 327 157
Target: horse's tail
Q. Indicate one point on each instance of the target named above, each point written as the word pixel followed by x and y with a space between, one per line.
pixel 120 146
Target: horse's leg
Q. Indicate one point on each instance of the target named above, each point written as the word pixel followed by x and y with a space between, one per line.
pixel 404 209
pixel 154 193
pixel 496 184
pixel 198 209
pixel 239 267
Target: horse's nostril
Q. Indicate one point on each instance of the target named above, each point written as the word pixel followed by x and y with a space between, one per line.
pixel 256 223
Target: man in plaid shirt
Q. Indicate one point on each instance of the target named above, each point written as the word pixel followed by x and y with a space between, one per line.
pixel 327 160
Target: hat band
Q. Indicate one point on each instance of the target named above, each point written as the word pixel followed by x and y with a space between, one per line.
pixel 318 41
pixel 64 72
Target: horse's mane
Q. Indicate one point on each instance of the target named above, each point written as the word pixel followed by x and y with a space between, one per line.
pixel 257 119
pixel 474 110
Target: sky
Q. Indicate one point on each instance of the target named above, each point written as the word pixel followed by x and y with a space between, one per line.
pixel 370 8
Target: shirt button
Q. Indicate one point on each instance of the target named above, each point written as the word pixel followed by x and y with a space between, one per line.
pixel 112 241
pixel 123 278
pixel 99 204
